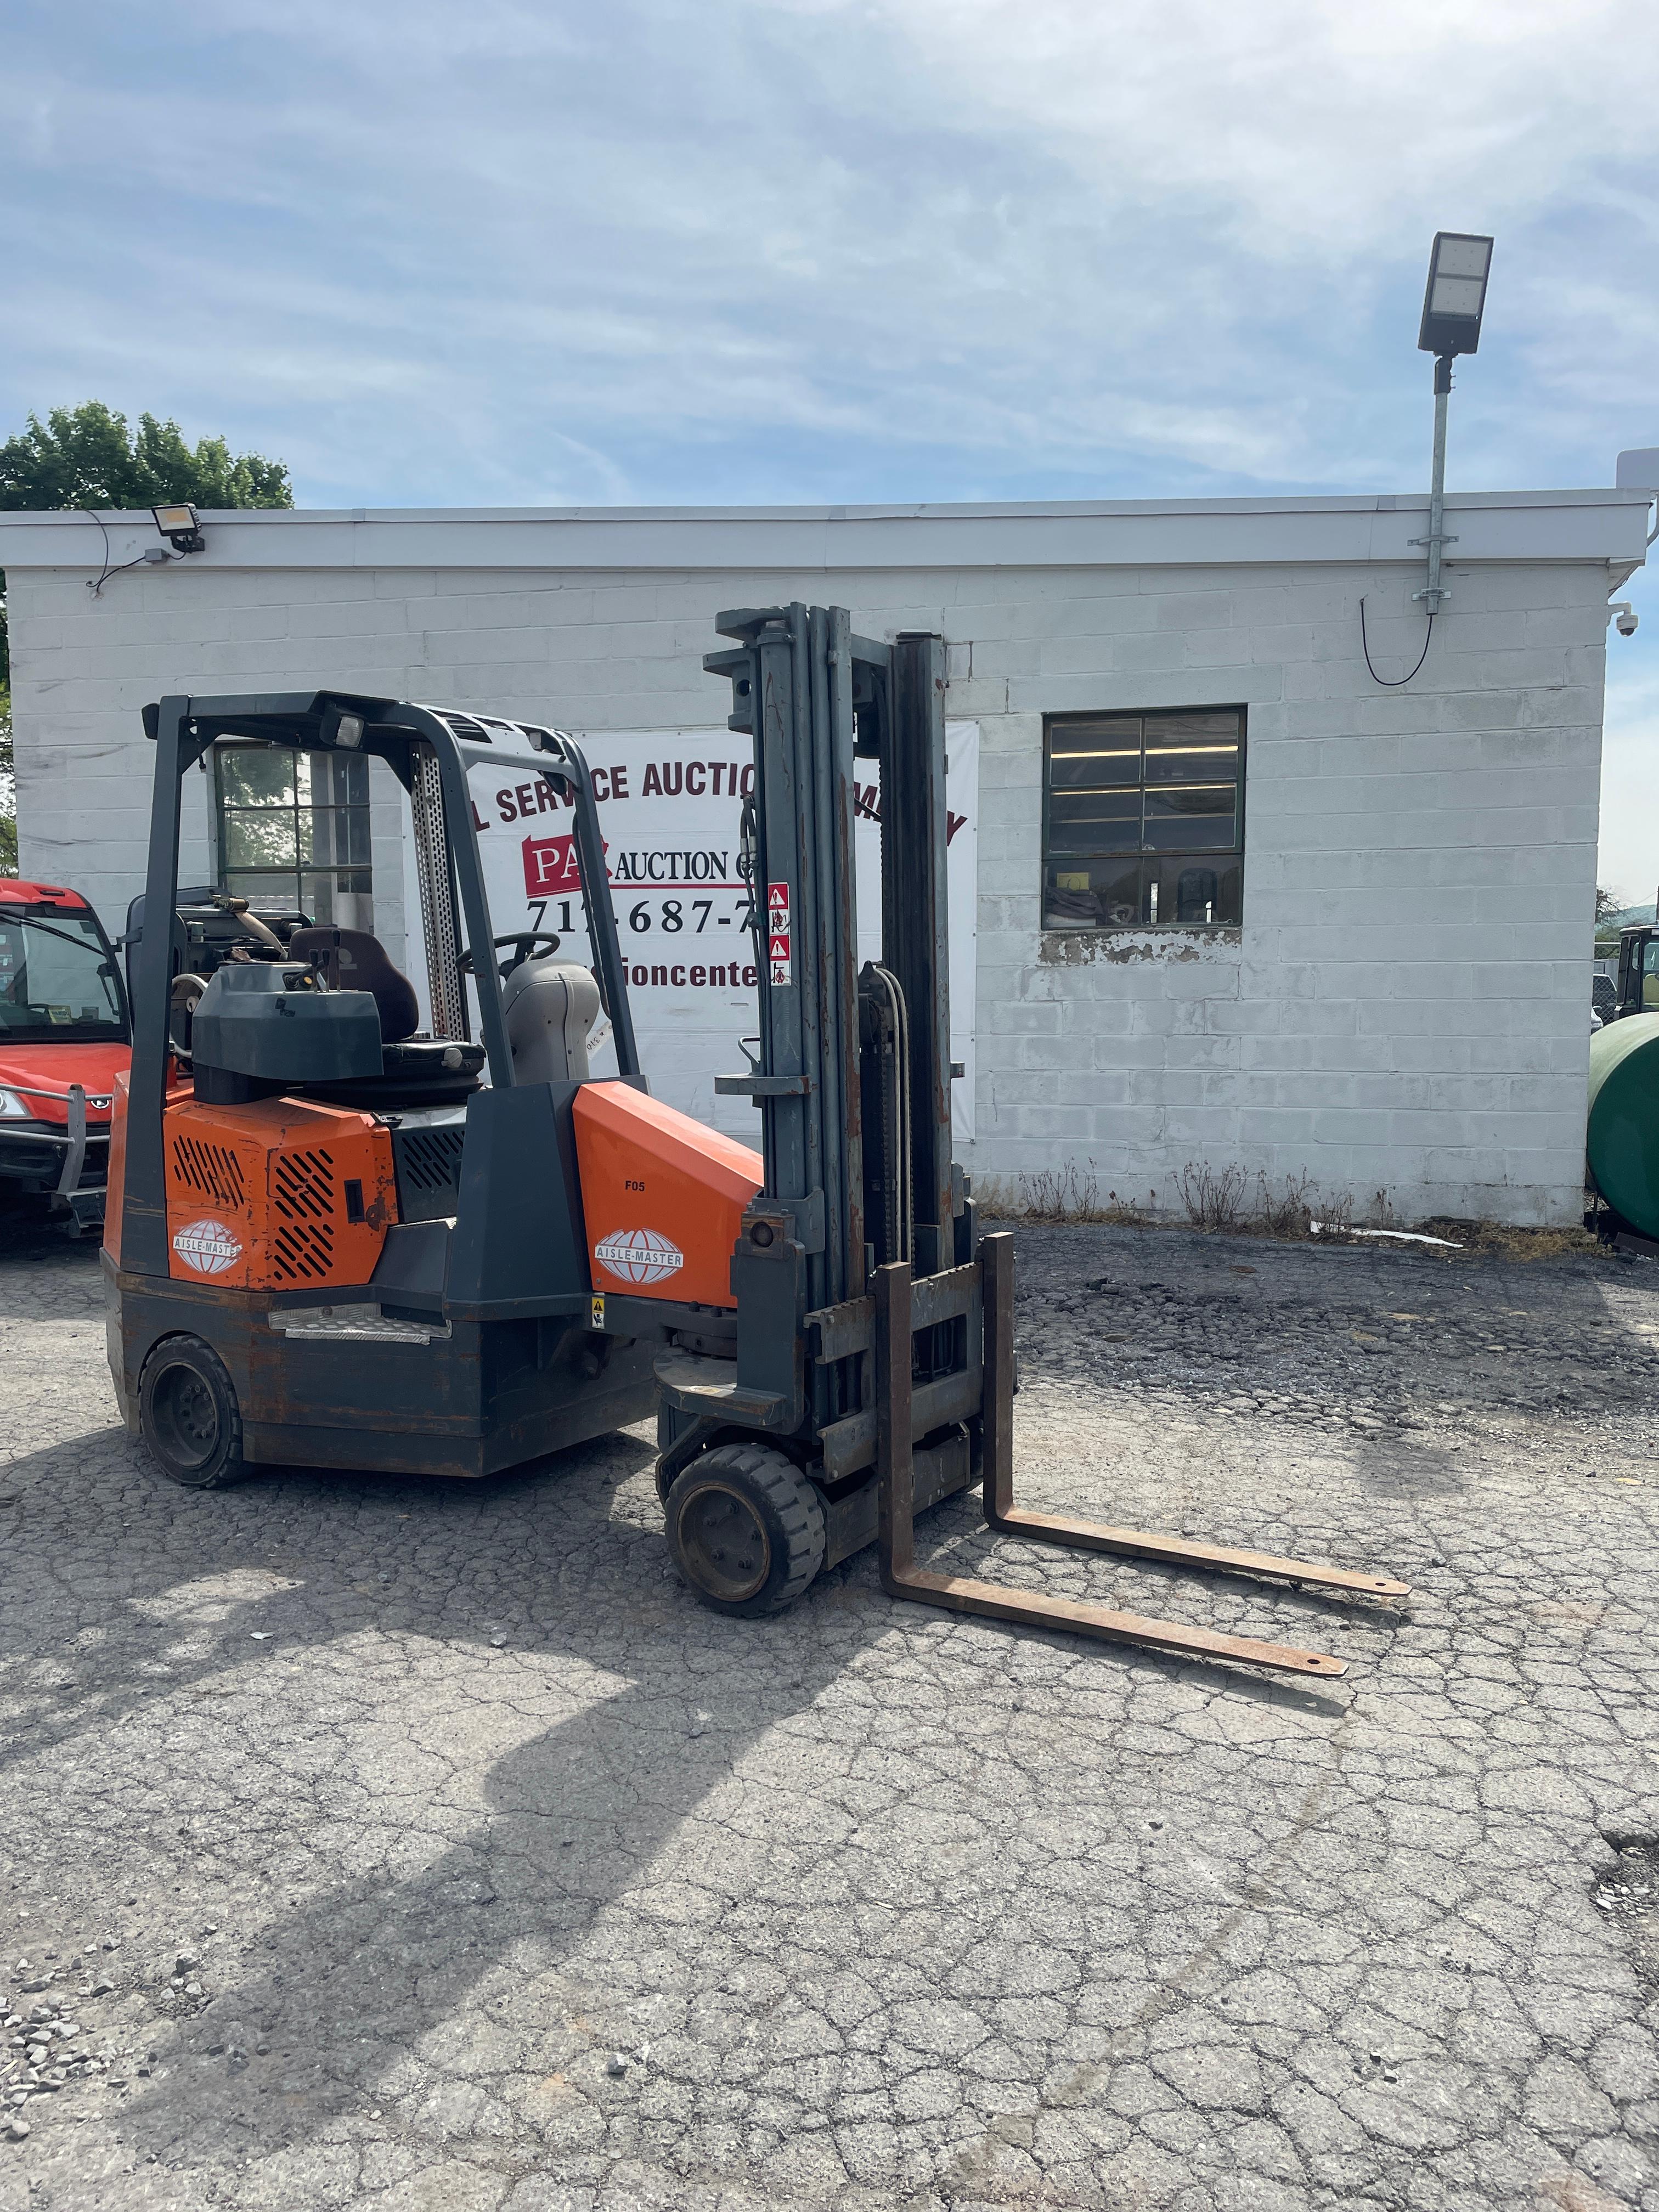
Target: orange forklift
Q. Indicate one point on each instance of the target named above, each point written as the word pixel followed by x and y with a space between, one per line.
pixel 332 1243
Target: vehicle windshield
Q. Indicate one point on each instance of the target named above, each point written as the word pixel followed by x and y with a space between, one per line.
pixel 58 981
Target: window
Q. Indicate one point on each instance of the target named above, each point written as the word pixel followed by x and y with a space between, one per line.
pixel 58 983
pixel 294 831
pixel 1144 820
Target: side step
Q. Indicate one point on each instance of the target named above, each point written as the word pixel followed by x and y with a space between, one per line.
pixel 903 1578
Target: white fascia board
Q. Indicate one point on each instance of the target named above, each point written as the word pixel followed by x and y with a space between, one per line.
pixel 1606 525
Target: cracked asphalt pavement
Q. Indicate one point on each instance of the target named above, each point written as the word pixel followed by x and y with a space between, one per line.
pixel 386 1844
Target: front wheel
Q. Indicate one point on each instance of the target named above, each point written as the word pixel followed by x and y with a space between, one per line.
pixel 746 1528
pixel 188 1414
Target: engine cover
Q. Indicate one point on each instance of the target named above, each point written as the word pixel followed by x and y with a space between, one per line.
pixel 283 1194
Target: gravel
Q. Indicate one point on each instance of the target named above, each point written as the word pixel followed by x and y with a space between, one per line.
pixel 909 1910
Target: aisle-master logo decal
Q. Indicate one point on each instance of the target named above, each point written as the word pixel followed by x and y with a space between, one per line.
pixel 639 1255
pixel 207 1246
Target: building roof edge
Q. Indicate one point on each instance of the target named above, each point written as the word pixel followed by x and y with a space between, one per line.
pixel 1598 524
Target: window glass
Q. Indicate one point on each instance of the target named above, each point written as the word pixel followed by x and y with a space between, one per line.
pixel 259 841
pixel 1143 820
pixel 57 981
pixel 256 775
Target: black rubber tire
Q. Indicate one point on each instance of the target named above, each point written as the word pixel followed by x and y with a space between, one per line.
pixel 188 1414
pixel 746 1529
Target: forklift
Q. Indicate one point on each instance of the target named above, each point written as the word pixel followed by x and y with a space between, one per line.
pixel 332 1243
pixel 1636 989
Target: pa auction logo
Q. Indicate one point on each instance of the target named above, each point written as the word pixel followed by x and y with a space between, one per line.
pixel 208 1246
pixel 639 1255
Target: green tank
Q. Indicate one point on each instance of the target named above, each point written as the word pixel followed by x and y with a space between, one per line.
pixel 1622 1137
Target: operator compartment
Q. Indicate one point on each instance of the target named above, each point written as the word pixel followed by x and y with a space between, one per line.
pixel 662 1196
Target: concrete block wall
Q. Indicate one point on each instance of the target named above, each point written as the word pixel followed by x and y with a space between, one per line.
pixel 1404 1008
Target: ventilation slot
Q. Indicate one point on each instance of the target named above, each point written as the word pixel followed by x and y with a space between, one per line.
pixel 428 1163
pixel 302 1255
pixel 432 1157
pixel 302 1198
pixel 214 1173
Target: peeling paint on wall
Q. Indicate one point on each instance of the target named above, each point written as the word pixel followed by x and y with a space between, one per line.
pixel 1079 948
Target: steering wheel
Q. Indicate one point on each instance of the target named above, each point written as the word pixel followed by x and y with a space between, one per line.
pixel 523 939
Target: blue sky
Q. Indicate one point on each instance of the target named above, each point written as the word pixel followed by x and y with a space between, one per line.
pixel 756 250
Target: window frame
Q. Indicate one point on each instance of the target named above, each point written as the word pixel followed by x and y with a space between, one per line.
pixel 287 892
pixel 1141 854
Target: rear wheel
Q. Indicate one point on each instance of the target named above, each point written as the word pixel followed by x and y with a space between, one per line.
pixel 188 1414
pixel 746 1528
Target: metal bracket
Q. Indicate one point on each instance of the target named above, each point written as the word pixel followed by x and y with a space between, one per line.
pixel 75 1158
pixel 808 1216
pixel 760 1086
pixel 903 1578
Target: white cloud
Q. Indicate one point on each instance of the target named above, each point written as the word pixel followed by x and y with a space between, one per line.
pixel 1061 238
pixel 798 248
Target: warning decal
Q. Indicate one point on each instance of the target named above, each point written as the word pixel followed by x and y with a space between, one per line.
pixel 777 933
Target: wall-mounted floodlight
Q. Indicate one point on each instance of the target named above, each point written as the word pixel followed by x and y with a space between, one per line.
pixel 1453 304
pixel 180 526
pixel 1455 294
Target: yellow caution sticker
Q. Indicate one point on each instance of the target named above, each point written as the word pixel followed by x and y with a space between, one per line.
pixel 596 1319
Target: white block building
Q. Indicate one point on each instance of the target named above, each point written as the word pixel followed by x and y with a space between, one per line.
pixel 1239 903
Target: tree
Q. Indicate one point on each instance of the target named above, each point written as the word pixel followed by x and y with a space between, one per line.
pixel 85 458
pixel 1607 904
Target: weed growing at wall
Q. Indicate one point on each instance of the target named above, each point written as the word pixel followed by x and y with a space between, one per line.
pixel 1222 1201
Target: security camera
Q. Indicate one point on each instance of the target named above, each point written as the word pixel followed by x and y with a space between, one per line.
pixel 1625 614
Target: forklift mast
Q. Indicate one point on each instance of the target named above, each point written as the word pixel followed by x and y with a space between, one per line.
pixel 874 1329
pixel 853 1076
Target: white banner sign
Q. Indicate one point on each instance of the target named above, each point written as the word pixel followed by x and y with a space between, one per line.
pixel 670 807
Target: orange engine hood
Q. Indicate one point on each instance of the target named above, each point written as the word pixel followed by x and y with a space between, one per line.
pixel 662 1196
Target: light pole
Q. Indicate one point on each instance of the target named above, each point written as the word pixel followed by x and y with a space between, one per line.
pixel 1452 306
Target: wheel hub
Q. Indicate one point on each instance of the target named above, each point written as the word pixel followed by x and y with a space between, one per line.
pixel 724 1543
pixel 186 1418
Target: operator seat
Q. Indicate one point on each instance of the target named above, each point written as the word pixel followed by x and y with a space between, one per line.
pixel 415 1071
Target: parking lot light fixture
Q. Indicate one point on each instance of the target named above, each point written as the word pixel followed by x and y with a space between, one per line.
pixel 1454 302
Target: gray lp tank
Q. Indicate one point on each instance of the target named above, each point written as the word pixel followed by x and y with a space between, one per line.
pixel 550 1007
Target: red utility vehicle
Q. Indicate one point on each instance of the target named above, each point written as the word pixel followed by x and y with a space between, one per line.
pixel 64 1037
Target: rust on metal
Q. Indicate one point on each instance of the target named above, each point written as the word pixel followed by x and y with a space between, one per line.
pixel 999 1602
pixel 895 1412
pixel 1138 1544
